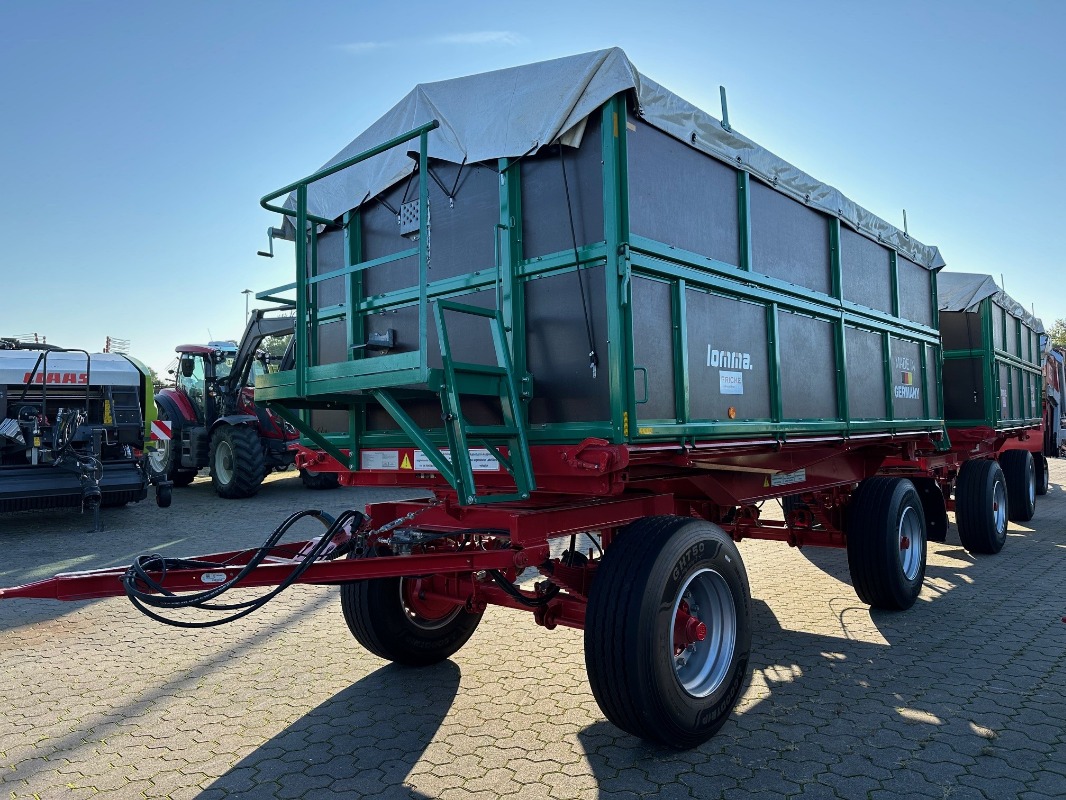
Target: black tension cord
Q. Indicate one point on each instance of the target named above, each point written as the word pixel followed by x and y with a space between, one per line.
pixel 594 360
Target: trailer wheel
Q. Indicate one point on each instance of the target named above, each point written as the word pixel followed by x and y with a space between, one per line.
pixel 236 458
pixel 1020 471
pixel 981 506
pixel 389 618
pixel 165 459
pixel 886 542
pixel 1043 480
pixel 319 480
pixel 668 630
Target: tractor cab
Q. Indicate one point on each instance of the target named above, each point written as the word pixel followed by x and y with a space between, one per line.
pixel 214 418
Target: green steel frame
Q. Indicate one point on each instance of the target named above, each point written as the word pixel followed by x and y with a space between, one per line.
pixel 623 255
pixel 1025 358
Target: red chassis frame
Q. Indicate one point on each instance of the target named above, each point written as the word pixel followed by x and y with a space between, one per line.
pixel 592 486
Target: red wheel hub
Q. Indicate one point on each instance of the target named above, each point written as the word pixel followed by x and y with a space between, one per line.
pixel 687 629
pixel 418 598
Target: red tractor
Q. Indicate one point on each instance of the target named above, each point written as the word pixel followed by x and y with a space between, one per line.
pixel 215 421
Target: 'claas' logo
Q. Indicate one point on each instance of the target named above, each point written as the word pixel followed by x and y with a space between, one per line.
pixel 81 378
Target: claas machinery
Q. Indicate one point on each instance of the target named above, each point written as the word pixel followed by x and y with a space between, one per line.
pixel 73 429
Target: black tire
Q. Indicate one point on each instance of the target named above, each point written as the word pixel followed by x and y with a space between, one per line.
pixel 1043 480
pixel 886 543
pixel 318 481
pixel 165 459
pixel 981 505
pixel 637 678
pixel 386 623
pixel 163 496
pixel 1019 469
pixel 237 463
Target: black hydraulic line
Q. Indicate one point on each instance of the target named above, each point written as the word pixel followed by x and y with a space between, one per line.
pixel 137 575
pixel 516 593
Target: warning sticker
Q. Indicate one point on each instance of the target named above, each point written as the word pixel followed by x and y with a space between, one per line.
pixel 788 478
pixel 730 382
pixel 379 459
pixel 160 430
pixel 481 460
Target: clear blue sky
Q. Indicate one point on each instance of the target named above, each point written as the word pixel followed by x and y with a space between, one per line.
pixel 136 138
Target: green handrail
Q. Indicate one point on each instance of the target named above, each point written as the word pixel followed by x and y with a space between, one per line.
pixel 348 162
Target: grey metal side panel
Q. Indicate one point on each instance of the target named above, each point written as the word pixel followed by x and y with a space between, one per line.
pixel 1020 403
pixel 1011 341
pixel 545 219
pixel 1004 391
pixel 866 374
pixel 381 237
pixel 808 371
pixel 680 196
pixel 557 348
pixel 932 371
pixel 329 421
pixel 915 291
pixel 426 412
pixel 653 347
pixel 997 326
pixel 789 240
pixel 469 335
pixel 907 390
pixel 963 389
pixel 332 343
pixel 865 268
pixel 470 338
pixel 961 330
pixel 728 361
pixel 330 259
pixel 461 231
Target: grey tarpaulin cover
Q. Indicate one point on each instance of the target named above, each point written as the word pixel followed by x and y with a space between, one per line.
pixel 513 112
pixel 964 291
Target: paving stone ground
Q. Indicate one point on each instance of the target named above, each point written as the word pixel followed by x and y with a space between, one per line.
pixel 962 696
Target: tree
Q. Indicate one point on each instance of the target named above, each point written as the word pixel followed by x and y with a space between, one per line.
pixel 1057 333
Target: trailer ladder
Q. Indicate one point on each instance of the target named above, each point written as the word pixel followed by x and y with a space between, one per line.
pixel 459 378
pixel 389 377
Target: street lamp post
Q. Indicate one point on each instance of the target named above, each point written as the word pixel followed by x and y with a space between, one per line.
pixel 246 292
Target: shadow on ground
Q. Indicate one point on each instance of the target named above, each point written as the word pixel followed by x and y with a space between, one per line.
pixel 355 743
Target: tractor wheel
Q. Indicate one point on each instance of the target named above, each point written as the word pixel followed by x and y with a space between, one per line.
pixel 981 506
pixel 668 630
pixel 237 464
pixel 389 618
pixel 165 459
pixel 1019 470
pixel 1043 480
pixel 319 480
pixel 886 543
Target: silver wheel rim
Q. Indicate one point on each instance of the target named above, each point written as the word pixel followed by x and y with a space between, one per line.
pixel 703 666
pixel 419 621
pixel 1031 473
pixel 158 458
pixel 911 543
pixel 999 506
pixel 224 461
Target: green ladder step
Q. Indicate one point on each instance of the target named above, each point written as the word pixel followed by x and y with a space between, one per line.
pixel 497 380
